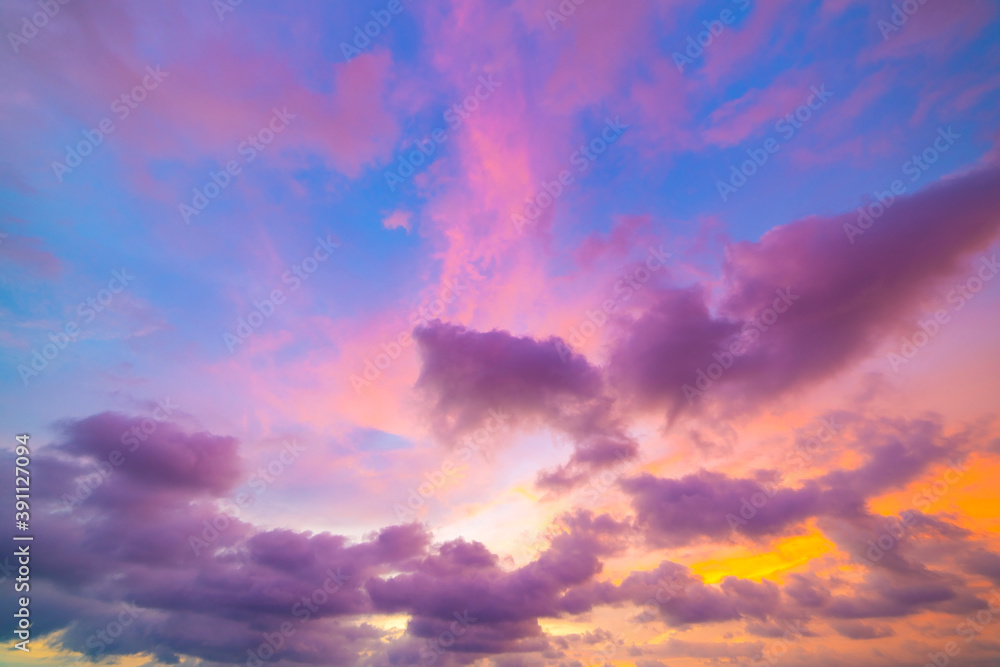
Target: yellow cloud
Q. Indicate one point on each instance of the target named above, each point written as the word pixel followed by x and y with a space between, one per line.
pixel 786 555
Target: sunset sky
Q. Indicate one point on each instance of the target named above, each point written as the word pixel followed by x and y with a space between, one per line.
pixel 503 333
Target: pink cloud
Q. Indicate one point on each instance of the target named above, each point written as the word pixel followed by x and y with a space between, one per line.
pixel 398 220
pixel 28 253
pixel 738 119
pixel 939 28
pixel 762 35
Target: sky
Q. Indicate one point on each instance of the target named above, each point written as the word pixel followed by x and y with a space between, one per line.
pixel 504 333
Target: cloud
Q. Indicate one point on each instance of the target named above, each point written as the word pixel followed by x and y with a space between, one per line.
pixel 803 302
pixel 466 373
pixel 29 255
pixel 675 512
pixel 397 220
pixel 713 506
pixel 680 599
pixel 167 458
pixel 858 630
pixel 131 542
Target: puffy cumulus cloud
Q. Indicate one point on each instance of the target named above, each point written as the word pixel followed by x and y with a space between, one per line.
pixel 907 563
pixel 131 542
pixel 127 549
pixel 498 609
pixel 165 458
pixel 675 512
pixel 893 597
pixel 681 599
pixel 665 347
pixel 127 553
pixel 467 373
pixel 678 599
pixel 797 306
pixel 918 569
pixel 805 300
pixel 711 506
